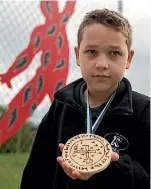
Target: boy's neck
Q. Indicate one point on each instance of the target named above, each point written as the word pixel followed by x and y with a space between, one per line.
pixel 98 98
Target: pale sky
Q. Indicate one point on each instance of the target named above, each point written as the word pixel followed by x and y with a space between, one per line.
pixel 134 10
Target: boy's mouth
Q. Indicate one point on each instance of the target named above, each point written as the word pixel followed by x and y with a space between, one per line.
pixel 101 75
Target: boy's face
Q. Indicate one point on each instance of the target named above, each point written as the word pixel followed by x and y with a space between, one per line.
pixel 103 57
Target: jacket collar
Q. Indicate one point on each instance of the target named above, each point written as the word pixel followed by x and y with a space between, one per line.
pixel 121 104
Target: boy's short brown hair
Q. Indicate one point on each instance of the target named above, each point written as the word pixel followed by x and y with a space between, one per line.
pixel 109 18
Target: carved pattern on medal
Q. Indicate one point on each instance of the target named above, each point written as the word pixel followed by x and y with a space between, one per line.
pixel 87 153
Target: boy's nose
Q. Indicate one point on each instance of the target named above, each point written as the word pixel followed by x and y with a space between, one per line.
pixel 102 62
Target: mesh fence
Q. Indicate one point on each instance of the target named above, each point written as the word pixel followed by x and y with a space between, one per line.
pixel 17 21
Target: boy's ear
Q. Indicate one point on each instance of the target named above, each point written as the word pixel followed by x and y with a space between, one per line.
pixel 129 60
pixel 76 50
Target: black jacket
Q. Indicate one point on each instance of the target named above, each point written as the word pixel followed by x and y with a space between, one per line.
pixel 126 126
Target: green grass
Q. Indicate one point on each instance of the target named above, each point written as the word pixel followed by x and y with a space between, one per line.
pixel 11 168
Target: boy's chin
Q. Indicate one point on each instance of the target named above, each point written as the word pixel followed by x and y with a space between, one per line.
pixel 101 87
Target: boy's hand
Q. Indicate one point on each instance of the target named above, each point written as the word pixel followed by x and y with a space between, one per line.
pixel 75 174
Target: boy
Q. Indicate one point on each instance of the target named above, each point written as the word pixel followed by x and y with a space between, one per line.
pixel 103 54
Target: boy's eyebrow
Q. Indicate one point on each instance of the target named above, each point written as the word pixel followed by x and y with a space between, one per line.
pixel 91 46
pixel 110 46
pixel 115 47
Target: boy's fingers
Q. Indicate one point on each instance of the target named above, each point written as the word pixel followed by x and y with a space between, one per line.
pixel 71 173
pixel 60 160
pixel 86 176
pixel 76 174
pixel 68 171
pixel 62 163
pixel 61 146
pixel 115 156
pixel 66 168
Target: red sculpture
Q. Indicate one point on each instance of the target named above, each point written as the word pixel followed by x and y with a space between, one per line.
pixel 51 39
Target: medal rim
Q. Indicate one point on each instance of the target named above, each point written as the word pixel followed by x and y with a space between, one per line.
pixel 96 169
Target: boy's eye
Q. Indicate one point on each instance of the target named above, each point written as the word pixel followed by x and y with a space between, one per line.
pixel 91 51
pixel 115 53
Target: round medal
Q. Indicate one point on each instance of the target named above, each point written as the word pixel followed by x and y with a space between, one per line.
pixel 87 153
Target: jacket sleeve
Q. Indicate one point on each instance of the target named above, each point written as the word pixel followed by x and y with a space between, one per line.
pixel 129 172
pixel 39 170
pixel 141 165
pixel 143 151
pixel 135 172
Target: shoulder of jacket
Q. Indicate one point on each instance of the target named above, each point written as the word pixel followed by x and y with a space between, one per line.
pixel 140 103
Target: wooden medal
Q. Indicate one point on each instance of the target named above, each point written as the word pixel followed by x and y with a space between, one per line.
pixel 87 153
